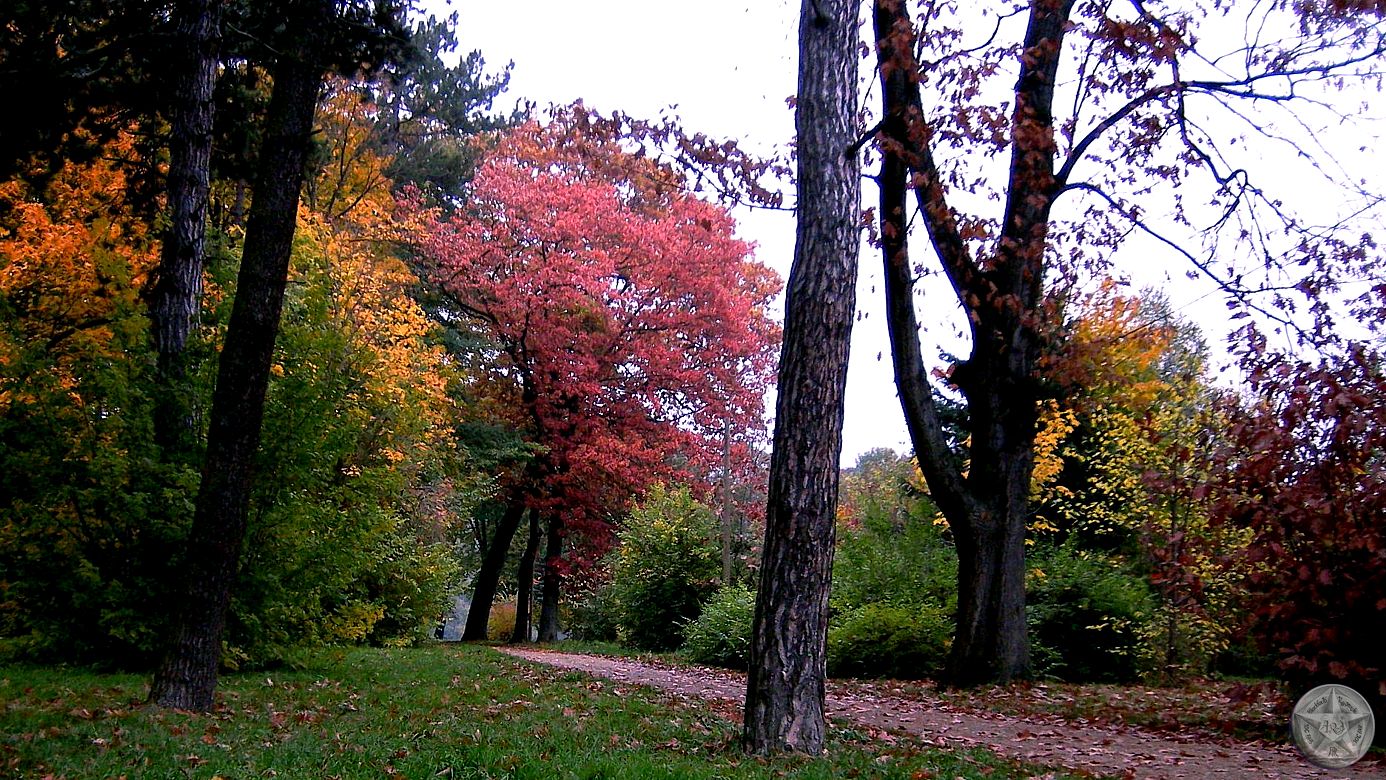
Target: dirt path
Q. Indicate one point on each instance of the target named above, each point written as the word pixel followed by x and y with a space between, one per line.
pixel 1100 749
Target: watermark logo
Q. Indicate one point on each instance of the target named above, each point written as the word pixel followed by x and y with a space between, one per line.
pixel 1333 726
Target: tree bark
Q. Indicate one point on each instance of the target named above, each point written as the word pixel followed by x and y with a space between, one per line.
pixel 175 296
pixel 187 677
pixel 727 519
pixel 553 582
pixel 492 566
pixel 524 581
pixel 988 509
pixel 785 687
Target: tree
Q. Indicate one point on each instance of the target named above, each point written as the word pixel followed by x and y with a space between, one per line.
pixel 349 537
pixel 625 321
pixel 1150 102
pixel 524 581
pixel 177 285
pixel 1302 470
pixel 85 550
pixel 316 35
pixel 431 113
pixel 76 64
pixel 663 569
pixel 352 519
pixel 785 687
pixel 487 579
pixel 1130 471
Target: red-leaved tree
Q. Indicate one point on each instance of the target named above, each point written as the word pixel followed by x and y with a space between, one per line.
pixel 1304 470
pixel 628 323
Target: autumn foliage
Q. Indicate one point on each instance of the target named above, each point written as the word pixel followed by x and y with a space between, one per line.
pixel 629 324
pixel 1302 469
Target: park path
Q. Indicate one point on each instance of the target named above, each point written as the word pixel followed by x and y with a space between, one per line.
pixel 1125 752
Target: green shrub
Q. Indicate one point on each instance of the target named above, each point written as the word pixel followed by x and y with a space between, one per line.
pixel 1086 616
pixel 898 561
pixel 664 569
pixel 721 636
pixel 884 640
pixel 593 616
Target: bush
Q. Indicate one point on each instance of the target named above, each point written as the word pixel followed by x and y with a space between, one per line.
pixel 884 560
pixel 501 624
pixel 593 617
pixel 1086 617
pixel 721 636
pixel 885 640
pixel 664 569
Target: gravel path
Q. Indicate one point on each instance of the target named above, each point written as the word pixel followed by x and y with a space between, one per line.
pixel 1125 752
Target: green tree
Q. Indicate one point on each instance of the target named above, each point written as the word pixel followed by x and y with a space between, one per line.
pixel 89 516
pixel 317 35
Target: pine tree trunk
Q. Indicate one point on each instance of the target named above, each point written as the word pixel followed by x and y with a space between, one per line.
pixel 492 567
pixel 175 296
pixel 553 582
pixel 785 688
pixel 524 580
pixel 187 677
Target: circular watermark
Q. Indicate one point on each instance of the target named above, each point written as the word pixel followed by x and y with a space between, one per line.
pixel 1333 726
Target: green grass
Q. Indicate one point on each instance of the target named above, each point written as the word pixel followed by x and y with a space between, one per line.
pixel 441 711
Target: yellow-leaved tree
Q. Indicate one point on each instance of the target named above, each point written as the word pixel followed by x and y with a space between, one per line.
pixel 1126 490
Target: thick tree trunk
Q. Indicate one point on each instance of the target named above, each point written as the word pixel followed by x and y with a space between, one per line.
pixel 492 567
pixel 524 582
pixel 188 675
pixel 785 687
pixel 989 508
pixel 174 297
pixel 990 642
pixel 553 582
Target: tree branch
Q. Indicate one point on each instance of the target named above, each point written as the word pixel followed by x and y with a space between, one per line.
pixel 1080 148
pixel 901 95
pixel 1240 293
pixel 908 137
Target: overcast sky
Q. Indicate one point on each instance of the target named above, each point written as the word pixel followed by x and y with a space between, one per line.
pixel 727 67
pixel 642 57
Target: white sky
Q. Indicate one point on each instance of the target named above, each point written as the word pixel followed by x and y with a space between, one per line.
pixel 728 67
pixel 641 57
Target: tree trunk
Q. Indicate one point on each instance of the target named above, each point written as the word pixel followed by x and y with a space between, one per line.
pixel 175 296
pixel 785 687
pixel 188 675
pixel 727 519
pixel 988 509
pixel 548 609
pixel 492 566
pixel 524 580
pixel 991 641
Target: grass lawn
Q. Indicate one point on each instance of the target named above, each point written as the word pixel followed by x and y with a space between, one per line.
pixel 439 711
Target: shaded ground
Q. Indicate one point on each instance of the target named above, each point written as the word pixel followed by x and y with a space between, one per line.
pixel 1086 744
